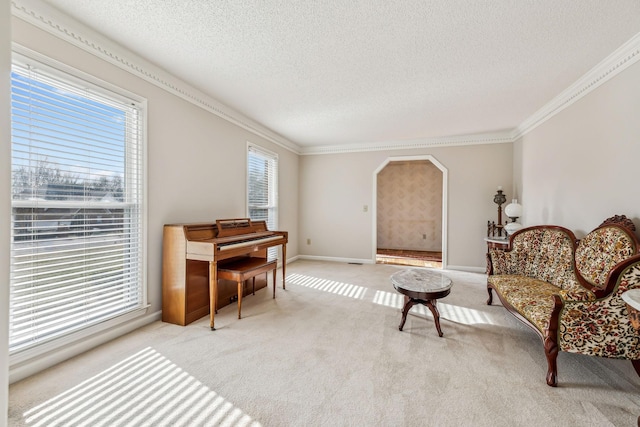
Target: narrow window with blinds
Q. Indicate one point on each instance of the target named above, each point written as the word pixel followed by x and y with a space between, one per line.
pixel 262 188
pixel 77 205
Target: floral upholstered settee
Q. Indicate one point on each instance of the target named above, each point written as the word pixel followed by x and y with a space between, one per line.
pixel 569 292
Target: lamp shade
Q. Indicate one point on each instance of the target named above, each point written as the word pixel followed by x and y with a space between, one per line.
pixel 513 209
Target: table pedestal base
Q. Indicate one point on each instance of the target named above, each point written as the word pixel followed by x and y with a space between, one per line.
pixel 410 302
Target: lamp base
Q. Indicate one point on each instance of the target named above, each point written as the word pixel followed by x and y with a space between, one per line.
pixel 512 227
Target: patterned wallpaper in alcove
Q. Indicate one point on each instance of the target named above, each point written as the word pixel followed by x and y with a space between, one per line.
pixel 410 206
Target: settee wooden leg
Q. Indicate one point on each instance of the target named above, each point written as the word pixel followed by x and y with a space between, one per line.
pixel 490 300
pixel 551 351
pixel 636 366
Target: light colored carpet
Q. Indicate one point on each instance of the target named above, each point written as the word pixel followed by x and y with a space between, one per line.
pixel 327 352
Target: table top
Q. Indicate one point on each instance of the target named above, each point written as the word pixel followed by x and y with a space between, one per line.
pixel 499 240
pixel 421 280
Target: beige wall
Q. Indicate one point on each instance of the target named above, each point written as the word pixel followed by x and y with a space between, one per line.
pixel 336 187
pixel 583 164
pixel 409 206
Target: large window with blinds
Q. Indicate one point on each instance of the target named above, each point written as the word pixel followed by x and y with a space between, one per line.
pixel 262 188
pixel 78 180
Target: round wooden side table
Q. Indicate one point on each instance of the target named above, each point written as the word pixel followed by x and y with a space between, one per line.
pixel 421 286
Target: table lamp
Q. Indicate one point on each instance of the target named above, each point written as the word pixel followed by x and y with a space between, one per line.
pixel 514 211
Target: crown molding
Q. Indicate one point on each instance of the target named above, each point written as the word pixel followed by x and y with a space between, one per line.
pixel 621 59
pixel 64 27
pixel 448 141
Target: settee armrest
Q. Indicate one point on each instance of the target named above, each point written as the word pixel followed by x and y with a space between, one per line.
pixel 602 327
pixel 599 252
pixel 577 294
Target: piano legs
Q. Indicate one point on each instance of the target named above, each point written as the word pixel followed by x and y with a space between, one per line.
pixel 284 270
pixel 213 292
pixel 274 284
pixel 240 292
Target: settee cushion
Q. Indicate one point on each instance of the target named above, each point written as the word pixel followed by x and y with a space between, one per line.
pixel 532 298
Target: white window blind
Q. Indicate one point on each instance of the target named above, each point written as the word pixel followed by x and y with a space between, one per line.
pixel 77 205
pixel 262 188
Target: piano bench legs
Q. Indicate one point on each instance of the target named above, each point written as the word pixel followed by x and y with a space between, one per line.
pixel 244 269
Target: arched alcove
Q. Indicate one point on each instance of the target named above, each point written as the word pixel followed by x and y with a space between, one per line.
pixel 420 227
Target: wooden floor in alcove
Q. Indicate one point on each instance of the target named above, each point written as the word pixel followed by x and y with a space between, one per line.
pixel 407 257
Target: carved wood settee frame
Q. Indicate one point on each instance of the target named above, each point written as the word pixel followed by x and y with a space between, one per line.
pixel 569 291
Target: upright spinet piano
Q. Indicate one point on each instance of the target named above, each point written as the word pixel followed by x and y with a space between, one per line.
pixel 191 254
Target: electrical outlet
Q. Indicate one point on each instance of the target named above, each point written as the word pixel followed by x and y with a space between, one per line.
pixel 308 241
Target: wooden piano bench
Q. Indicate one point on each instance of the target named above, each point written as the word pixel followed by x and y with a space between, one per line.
pixel 246 268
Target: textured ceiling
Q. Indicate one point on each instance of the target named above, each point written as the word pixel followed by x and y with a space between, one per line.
pixel 323 73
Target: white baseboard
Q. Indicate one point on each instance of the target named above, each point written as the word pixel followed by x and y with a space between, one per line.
pixel 368 261
pixel 292 259
pixel 336 259
pixel 467 268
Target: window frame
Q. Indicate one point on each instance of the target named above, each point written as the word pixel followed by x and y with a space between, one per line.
pixel 68 74
pixel 272 188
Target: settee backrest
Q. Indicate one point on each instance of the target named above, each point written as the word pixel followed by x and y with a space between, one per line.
pixel 545 253
pixel 599 251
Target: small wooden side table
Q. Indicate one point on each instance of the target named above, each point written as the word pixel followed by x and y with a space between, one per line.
pixel 495 243
pixel 421 286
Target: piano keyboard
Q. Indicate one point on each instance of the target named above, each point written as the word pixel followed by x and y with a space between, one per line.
pixel 251 242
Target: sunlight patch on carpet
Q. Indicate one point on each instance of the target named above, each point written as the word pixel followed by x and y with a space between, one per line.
pixel 464 315
pixel 331 286
pixel 389 299
pixel 144 389
pixel 459 314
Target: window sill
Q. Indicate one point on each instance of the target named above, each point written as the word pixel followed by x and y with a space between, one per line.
pixel 30 361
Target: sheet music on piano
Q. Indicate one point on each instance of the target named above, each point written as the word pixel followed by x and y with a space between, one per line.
pixel 190 257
